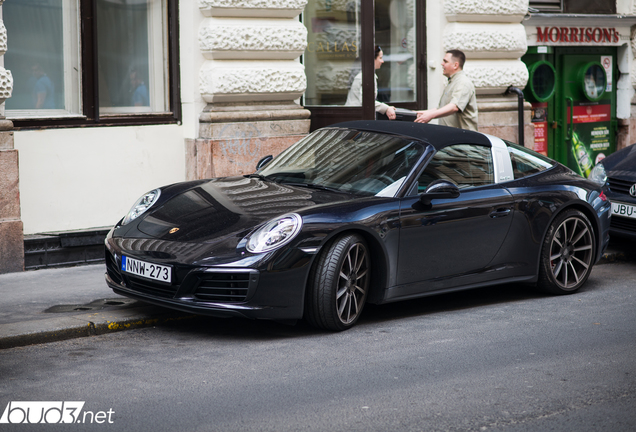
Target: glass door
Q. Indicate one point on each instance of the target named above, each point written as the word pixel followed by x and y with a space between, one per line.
pixel 342 40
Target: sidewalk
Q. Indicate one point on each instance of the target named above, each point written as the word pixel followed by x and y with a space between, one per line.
pixel 49 305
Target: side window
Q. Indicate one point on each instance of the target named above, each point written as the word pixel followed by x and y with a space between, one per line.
pixel 466 165
pixel 526 162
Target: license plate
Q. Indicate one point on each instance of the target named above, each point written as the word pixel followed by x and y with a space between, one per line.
pixel 624 210
pixel 147 270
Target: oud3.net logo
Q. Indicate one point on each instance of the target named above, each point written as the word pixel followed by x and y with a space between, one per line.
pixel 53 412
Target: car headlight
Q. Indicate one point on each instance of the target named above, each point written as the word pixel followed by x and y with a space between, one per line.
pixel 275 233
pixel 598 174
pixel 142 204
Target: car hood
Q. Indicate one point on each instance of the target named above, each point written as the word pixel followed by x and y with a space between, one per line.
pixel 622 164
pixel 217 209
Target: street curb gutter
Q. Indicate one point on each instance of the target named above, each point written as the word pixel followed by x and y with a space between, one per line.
pixel 55 329
pixel 60 327
pixel 612 256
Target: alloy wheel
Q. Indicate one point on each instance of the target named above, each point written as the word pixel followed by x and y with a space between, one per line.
pixel 571 252
pixel 352 283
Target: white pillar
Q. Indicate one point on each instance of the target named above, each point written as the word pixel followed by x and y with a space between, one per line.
pixel 491 35
pixel 250 79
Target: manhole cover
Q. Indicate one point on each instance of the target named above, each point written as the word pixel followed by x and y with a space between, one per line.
pixel 92 306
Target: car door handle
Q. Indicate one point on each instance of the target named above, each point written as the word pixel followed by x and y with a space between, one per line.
pixel 500 213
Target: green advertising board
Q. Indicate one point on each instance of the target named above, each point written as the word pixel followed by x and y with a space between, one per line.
pixel 573 95
pixel 585 107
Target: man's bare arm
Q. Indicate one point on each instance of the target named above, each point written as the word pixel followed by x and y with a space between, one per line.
pixel 428 115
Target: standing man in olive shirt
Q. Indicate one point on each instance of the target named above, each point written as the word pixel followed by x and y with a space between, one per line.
pixel 458 104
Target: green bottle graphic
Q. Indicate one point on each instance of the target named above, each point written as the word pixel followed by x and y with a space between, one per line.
pixel 583 160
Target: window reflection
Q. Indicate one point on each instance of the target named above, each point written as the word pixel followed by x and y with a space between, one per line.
pixel 131 66
pixel 395 32
pixel 346 160
pixel 332 57
pixel 594 82
pixel 37 54
pixel 465 165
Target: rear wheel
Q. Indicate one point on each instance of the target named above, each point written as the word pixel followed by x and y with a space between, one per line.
pixel 338 284
pixel 567 255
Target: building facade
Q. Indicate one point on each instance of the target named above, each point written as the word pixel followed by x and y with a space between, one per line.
pixel 579 59
pixel 103 100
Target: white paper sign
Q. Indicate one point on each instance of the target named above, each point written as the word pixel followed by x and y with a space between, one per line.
pixel 606 61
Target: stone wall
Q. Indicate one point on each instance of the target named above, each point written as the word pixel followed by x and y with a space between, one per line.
pixel 250 81
pixel 628 128
pixel 491 35
pixel 11 233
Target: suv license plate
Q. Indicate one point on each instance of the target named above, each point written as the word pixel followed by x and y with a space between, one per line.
pixel 624 210
pixel 147 270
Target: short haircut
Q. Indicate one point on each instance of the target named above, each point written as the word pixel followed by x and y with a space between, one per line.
pixel 459 56
pixel 378 50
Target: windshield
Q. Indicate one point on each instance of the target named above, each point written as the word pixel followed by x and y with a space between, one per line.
pixel 351 161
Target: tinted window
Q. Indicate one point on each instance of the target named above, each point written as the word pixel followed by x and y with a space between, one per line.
pixel 525 162
pixel 463 164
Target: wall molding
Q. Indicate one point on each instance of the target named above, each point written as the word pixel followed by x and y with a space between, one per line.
pixel 252 8
pixel 480 40
pixel 495 76
pixel 486 10
pixel 252 39
pixel 244 81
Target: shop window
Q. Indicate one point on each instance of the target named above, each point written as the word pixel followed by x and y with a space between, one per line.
pixel 590 6
pixel 85 61
pixel 547 5
pixel 575 6
pixel 332 58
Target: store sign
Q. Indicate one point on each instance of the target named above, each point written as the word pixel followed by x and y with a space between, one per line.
pixel 334 50
pixel 584 113
pixel 606 61
pixel 577 34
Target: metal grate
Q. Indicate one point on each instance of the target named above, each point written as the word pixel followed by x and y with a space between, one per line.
pixel 623 223
pixel 546 5
pixel 620 186
pixel 222 287
pixel 150 287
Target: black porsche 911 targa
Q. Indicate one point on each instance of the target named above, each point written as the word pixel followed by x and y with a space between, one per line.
pixel 366 211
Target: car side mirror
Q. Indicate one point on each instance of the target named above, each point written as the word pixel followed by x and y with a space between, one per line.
pixel 264 161
pixel 439 189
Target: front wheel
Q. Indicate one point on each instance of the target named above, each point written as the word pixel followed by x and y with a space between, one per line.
pixel 338 284
pixel 568 253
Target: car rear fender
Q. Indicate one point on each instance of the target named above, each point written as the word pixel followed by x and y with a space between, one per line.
pixel 592 216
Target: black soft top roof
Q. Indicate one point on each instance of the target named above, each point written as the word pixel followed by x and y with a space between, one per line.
pixel 438 136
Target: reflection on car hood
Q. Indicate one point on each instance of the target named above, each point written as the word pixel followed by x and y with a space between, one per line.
pixel 230 206
pixel 622 164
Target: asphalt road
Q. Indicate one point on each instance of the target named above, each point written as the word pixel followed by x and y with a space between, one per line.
pixel 495 359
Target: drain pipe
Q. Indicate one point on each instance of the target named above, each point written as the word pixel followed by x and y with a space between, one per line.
pixel 510 90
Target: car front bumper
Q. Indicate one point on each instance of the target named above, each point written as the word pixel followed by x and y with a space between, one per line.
pixel 221 291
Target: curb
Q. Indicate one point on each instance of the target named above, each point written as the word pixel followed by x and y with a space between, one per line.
pixel 55 329
pixel 64 327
